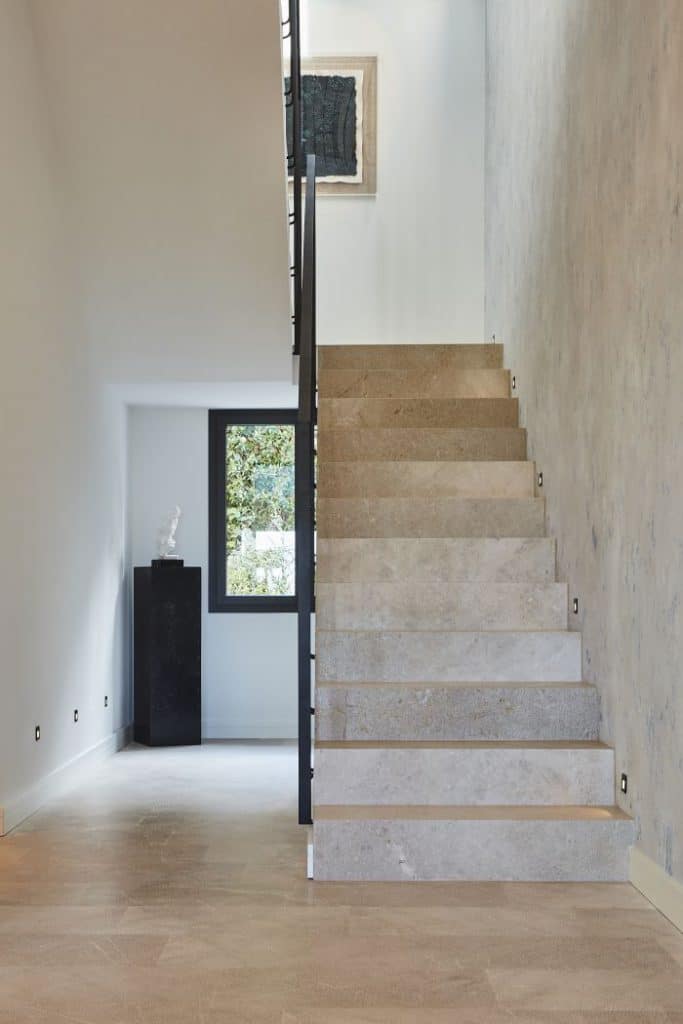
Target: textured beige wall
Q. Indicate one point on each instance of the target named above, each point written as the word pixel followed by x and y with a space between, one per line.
pixel 584 254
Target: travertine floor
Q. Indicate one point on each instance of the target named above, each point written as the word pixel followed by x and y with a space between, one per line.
pixel 170 888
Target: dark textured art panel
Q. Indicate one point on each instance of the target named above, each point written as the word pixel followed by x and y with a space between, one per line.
pixel 330 112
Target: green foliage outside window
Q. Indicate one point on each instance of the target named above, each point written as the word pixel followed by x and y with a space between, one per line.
pixel 260 500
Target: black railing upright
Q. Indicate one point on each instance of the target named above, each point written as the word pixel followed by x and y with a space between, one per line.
pixel 305 469
pixel 303 272
pixel 295 162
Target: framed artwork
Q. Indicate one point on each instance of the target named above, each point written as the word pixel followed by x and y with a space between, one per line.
pixel 339 109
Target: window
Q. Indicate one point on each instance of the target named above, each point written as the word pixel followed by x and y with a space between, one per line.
pixel 252 535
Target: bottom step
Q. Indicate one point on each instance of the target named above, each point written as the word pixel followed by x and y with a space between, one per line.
pixel 498 844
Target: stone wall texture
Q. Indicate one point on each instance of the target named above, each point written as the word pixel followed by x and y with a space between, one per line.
pixel 584 276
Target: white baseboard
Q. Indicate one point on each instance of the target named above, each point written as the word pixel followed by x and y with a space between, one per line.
pixel 61 779
pixel 663 891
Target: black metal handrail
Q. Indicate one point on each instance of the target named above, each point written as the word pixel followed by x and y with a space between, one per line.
pixel 305 468
pixel 295 162
pixel 303 272
pixel 307 364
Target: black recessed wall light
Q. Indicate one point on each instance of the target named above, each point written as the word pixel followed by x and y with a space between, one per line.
pixel 624 782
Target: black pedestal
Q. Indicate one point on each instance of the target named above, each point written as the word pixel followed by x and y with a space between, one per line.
pixel 167 639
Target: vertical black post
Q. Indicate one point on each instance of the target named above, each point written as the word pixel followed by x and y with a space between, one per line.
pixel 304 587
pixel 305 467
pixel 304 291
pixel 295 162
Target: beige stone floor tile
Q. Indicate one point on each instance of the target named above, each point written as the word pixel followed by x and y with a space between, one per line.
pixel 672 941
pixel 408 894
pixel 85 950
pixel 593 895
pixel 620 923
pixel 588 989
pixel 170 890
pixel 60 920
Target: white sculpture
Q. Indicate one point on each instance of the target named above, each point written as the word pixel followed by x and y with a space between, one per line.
pixel 166 535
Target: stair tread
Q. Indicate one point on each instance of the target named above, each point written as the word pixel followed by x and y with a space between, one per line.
pixel 481 812
pixel 401 413
pixel 446 499
pixel 459 465
pixel 416 478
pixel 461 745
pixel 440 632
pixel 465 583
pixel 433 518
pixel 422 605
pixel 436 561
pixel 457 684
pixel 474 355
pixel 397 382
pixel 417 346
pixel 446 444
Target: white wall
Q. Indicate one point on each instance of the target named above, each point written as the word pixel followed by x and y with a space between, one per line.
pixel 408 265
pixel 144 256
pixel 62 451
pixel 249 670
pixel 170 118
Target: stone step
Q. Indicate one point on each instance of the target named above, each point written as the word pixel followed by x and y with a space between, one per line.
pixel 420 605
pixel 431 517
pixel 418 412
pixel 465 711
pixel 412 383
pixel 406 656
pixel 415 443
pixel 410 357
pixel 463 773
pixel 417 479
pixel 449 843
pixel 504 559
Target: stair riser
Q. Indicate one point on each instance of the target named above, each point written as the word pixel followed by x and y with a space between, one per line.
pixel 418 412
pixel 417 479
pixel 382 713
pixel 410 357
pixel 431 517
pixel 412 605
pixel 464 776
pixel 514 851
pixel 449 444
pixel 390 656
pixel 414 384
pixel 435 561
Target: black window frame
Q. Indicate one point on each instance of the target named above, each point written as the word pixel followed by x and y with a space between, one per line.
pixel 219 600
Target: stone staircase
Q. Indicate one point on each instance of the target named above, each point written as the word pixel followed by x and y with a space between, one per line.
pixel 455 738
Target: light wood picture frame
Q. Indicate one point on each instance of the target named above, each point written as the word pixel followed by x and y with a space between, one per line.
pixel 364 70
